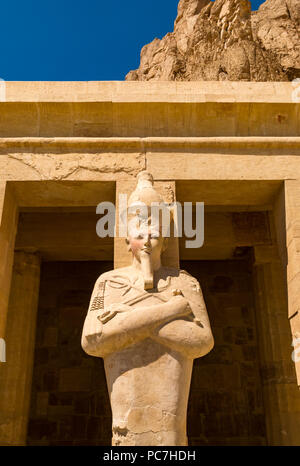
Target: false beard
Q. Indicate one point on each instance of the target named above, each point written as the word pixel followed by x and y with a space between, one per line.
pixel 147 270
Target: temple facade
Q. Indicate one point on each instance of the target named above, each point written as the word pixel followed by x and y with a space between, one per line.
pixel 65 148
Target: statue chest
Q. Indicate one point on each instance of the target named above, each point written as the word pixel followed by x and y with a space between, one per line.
pixel 118 290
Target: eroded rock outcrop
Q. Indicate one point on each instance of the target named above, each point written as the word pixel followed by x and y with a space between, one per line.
pixel 225 40
pixel 276 26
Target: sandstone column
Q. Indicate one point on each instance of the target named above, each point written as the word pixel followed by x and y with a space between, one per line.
pixel 280 391
pixel 8 228
pixel 290 202
pixel 16 373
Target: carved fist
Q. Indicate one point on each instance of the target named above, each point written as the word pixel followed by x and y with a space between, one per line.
pixel 179 293
pixel 181 305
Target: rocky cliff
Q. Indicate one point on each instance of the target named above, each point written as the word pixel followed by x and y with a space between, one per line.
pixel 225 40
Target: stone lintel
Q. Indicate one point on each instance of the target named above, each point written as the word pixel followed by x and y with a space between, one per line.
pixel 237 145
pixel 118 109
pixel 119 91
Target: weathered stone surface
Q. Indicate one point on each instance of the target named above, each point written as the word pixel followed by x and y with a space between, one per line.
pixel 16 373
pixel 136 110
pixel 276 25
pixel 224 40
pixel 8 228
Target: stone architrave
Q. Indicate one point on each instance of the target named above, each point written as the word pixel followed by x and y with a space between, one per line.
pixel 148 323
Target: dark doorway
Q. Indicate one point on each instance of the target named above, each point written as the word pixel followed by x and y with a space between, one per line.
pixel 70 403
pixel 226 402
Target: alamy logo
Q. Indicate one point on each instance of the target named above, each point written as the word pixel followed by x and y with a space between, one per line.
pixel 188 220
pixel 2 350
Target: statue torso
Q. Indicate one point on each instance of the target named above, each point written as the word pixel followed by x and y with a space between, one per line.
pixel 145 379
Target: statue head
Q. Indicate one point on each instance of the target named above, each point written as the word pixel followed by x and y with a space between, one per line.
pixel 145 234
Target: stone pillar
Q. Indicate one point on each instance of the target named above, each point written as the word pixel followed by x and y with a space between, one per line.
pixel 122 258
pixel 290 200
pixel 280 391
pixel 16 373
pixel 8 228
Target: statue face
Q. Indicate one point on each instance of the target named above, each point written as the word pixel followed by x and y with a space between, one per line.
pixel 146 241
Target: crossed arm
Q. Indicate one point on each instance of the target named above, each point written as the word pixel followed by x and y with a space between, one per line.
pixel 167 323
pixel 193 338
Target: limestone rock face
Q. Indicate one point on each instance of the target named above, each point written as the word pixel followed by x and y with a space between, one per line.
pixel 276 25
pixel 224 40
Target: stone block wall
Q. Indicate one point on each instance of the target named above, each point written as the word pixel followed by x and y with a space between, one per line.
pixel 226 402
pixel 70 404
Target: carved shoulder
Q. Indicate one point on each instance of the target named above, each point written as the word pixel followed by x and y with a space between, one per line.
pixel 111 274
pixel 191 289
pixel 110 288
pixel 189 281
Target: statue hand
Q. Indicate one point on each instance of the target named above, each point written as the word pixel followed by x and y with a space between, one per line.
pixel 178 292
pixel 180 305
pixel 111 311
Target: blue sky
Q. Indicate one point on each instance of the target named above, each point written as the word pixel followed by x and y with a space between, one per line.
pixel 72 40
